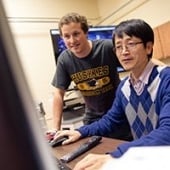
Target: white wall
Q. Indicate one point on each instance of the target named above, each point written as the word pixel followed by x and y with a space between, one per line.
pixel 155 12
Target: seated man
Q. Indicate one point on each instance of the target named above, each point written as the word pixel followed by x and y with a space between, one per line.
pixel 142 98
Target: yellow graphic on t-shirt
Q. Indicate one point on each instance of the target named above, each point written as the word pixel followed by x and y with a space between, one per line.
pixel 97 92
pixel 93 84
pixel 90 74
pixel 94 81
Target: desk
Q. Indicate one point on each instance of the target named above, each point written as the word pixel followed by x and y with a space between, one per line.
pixel 107 144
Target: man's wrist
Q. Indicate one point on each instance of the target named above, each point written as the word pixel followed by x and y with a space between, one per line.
pixel 50 134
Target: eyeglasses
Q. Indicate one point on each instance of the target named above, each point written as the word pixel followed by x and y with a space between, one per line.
pixel 129 46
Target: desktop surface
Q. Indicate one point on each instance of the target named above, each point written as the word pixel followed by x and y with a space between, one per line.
pixel 106 145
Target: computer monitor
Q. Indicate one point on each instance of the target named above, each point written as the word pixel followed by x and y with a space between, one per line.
pixel 94 33
pixel 22 144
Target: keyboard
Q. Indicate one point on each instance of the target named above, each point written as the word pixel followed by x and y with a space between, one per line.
pixel 61 165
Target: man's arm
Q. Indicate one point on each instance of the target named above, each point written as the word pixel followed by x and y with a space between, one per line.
pixel 58 108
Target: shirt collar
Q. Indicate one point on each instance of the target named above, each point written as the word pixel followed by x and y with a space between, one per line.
pixel 144 77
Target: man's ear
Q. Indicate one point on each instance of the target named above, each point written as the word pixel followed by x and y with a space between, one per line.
pixel 149 47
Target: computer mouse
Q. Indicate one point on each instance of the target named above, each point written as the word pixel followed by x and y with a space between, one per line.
pixel 58 142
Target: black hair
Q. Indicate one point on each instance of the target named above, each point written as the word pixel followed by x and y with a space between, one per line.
pixel 137 28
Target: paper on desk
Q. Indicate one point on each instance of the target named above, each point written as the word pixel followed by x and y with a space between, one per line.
pixel 141 158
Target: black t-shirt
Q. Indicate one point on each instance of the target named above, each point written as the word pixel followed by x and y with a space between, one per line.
pixel 95 75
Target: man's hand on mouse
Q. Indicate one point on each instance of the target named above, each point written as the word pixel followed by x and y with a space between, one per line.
pixel 73 135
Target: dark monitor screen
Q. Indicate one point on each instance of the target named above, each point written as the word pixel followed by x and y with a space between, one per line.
pixel 94 33
pixel 22 144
